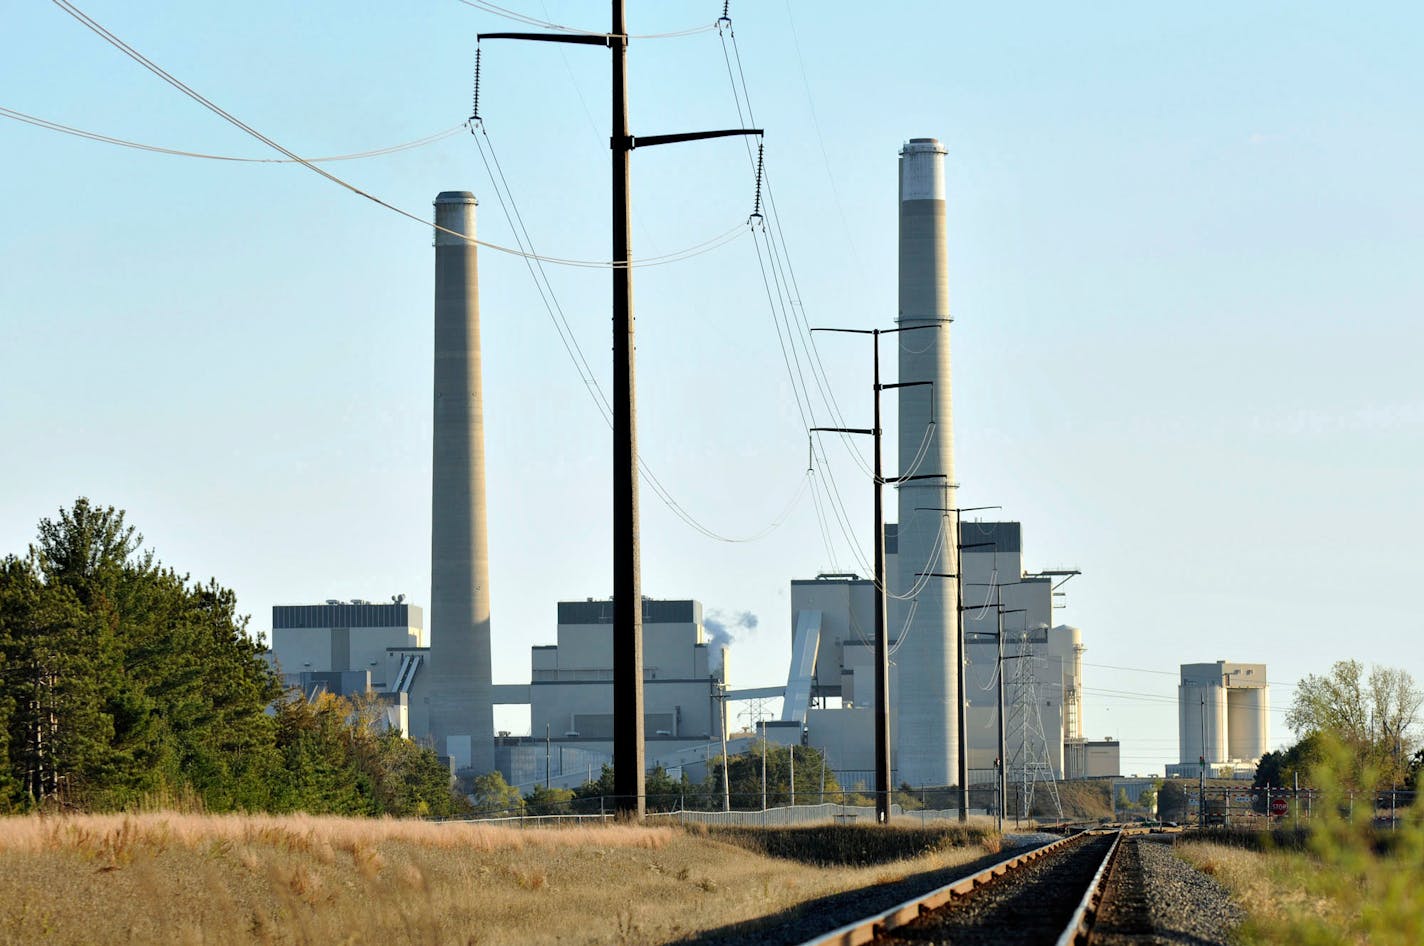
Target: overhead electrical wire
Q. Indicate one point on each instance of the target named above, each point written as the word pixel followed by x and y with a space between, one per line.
pixel 518 17
pixel 826 390
pixel 789 347
pixel 549 297
pixel 706 246
pixel 793 313
pixel 113 40
pixel 126 143
pixel 556 313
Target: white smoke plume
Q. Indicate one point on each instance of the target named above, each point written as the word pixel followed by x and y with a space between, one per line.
pixel 722 629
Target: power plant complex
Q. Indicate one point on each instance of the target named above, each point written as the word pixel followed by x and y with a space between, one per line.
pixel 948 578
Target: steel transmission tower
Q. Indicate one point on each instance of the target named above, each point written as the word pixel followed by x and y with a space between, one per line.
pixel 1031 763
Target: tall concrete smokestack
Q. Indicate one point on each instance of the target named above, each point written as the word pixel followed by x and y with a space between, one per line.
pixel 461 708
pixel 928 714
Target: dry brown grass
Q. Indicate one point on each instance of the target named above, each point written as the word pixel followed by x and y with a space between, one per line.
pixel 1278 889
pixel 257 879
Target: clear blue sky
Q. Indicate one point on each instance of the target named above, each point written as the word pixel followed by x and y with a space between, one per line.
pixel 1185 260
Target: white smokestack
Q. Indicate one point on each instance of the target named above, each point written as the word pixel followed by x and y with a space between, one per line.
pixel 461 706
pixel 926 735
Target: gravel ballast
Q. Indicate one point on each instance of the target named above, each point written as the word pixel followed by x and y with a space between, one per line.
pixel 1157 899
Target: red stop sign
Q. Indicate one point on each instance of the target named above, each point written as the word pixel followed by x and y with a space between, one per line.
pixel 1279 806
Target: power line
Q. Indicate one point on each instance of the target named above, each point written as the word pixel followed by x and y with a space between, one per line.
pixel 1172 673
pixel 741 93
pixel 791 337
pixel 113 40
pixel 517 17
pixel 126 143
pixel 566 334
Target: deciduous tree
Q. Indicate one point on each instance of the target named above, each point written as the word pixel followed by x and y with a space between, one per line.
pixel 1374 713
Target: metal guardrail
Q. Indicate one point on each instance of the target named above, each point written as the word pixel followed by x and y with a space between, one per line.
pixel 865 930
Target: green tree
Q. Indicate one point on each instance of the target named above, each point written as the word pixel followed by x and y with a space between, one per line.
pixel 492 795
pixel 1123 803
pixel 745 772
pixel 596 795
pixel 1147 801
pixel 549 801
pixel 1171 801
pixel 148 684
pixel 125 682
pixel 1375 714
pixel 58 736
pixel 906 797
pixel 319 774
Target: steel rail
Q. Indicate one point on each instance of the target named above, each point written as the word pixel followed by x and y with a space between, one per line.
pixel 1080 923
pixel 867 929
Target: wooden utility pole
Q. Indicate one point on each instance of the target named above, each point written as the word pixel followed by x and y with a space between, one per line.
pixel 628 775
pixel 958 577
pixel 883 787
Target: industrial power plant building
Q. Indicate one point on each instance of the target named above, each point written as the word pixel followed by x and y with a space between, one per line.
pixel 1224 719
pixel 833 632
pixel 439 686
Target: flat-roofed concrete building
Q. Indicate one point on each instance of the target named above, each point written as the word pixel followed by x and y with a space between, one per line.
pixel 353 648
pixel 570 694
pixel 344 636
pixel 1223 718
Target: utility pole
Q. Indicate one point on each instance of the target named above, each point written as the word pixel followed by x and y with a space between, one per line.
pixel 882 649
pixel 958 577
pixel 792 750
pixel 722 726
pixel 1000 775
pixel 999 667
pixel 1201 788
pixel 765 747
pixel 628 762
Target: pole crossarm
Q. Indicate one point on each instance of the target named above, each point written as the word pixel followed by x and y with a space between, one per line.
pixel 1067 574
pixel 648 141
pixel 596 39
pixel 844 430
pixel 906 384
pixel 922 476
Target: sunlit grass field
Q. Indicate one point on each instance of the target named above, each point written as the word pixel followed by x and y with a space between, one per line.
pixel 160 878
pixel 1344 881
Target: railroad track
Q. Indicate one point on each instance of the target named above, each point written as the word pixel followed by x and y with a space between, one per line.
pixel 1048 895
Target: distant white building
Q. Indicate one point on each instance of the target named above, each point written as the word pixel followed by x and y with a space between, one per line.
pixel 1223 718
pixel 833 628
pixel 356 647
pixel 570 694
pixel 351 648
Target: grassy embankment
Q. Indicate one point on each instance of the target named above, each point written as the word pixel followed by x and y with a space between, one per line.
pixel 295 879
pixel 1340 883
